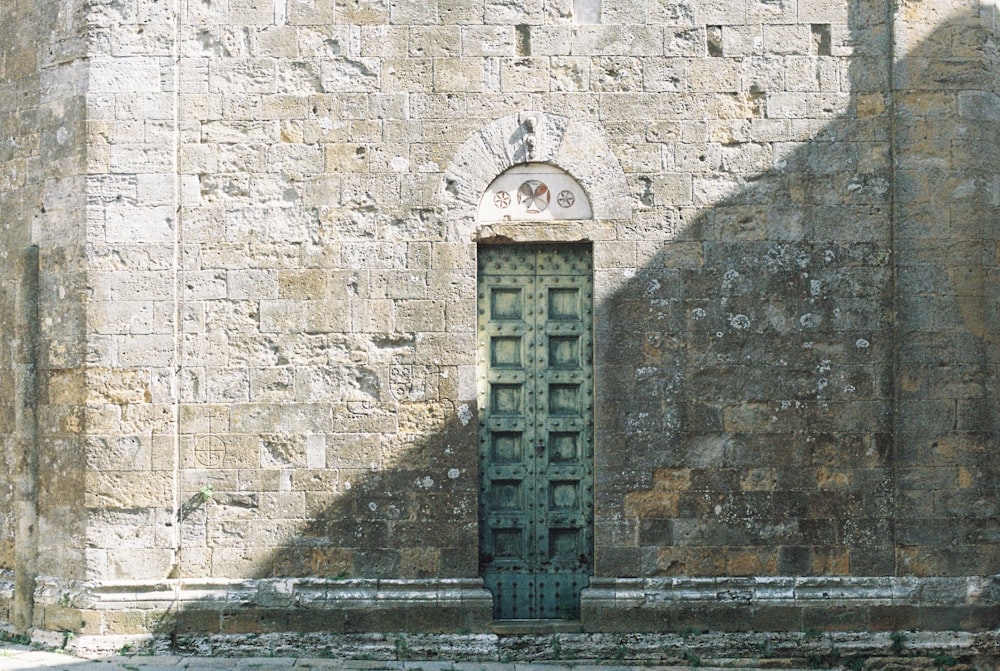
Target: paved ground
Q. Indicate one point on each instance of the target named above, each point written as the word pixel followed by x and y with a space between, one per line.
pixel 18 657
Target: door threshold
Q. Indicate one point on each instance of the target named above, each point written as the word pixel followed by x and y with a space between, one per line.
pixel 537 627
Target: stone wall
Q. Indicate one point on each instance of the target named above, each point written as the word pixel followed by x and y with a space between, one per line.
pixel 133 248
pixel 749 359
pixel 20 100
pixel 42 196
pixel 946 204
pixel 258 230
pixel 324 295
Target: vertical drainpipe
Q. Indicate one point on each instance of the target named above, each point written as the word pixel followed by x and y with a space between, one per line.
pixel 25 439
pixel 895 360
pixel 177 541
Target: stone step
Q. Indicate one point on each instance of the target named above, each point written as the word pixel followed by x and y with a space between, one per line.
pixel 561 646
pixel 537 627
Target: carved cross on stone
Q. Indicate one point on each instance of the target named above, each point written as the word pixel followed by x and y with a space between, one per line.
pixel 534 192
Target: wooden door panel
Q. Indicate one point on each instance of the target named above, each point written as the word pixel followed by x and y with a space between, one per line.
pixel 536 427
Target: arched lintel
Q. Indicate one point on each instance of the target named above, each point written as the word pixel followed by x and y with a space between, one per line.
pixel 577 147
pixel 534 192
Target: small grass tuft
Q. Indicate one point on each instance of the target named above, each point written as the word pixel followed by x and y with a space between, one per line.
pixel 692 659
pixel 16 639
pixel 402 647
pixel 944 661
pixel 854 663
pixel 898 642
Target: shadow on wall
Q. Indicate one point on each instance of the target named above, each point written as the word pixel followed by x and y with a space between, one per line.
pixel 772 398
pixel 778 418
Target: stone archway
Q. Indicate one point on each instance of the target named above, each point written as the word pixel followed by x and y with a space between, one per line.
pixel 534 192
pixel 535 141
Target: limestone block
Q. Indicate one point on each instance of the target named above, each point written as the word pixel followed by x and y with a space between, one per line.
pixel 371 316
pixel 301 284
pixel 276 41
pixel 156 105
pixel 499 13
pixel 569 74
pixel 686 42
pixel 341 158
pixel 412 12
pixel 135 74
pixel 333 384
pixel 145 350
pixel 140 158
pixel 435 41
pixel 811 73
pixel 420 316
pixel 978 105
pixel 364 12
pixel 226 385
pixel 271 384
pixel 419 189
pixel 383 41
pixel 290 418
pixel 155 190
pixel 351 74
pixel 121 317
pixel 293 161
pixel 289 106
pixel 787 39
pixel 389 106
pixel 438 106
pixel 124 622
pixel 252 12
pixel 746 158
pixel 478 41
pixel 234 562
pixel 278 505
pixel 693 158
pixel 716 12
pixel 246 75
pixel 742 41
pixel 129 489
pixel 823 12
pixel 458 74
pixel 310 12
pixel 419 226
pixel 130 224
pixel 619 73
pixel 240 132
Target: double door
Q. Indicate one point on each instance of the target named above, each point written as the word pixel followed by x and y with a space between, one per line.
pixel 535 344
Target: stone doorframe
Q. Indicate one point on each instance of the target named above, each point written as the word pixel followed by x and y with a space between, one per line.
pixel 577 147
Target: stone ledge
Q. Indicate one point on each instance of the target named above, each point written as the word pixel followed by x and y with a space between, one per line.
pixel 914 649
pixel 881 590
pixel 791 604
pixel 221 594
pixel 219 606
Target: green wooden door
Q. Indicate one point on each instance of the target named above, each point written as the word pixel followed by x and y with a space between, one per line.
pixel 536 444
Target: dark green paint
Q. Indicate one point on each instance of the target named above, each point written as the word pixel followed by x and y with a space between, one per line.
pixel 536 427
